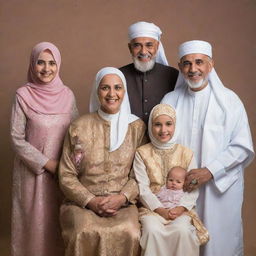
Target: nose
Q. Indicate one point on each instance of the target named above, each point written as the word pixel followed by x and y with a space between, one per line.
pixel 46 67
pixel 111 92
pixel 193 67
pixel 143 49
pixel 163 128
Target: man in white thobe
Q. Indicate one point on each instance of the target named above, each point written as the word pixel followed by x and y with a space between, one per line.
pixel 213 123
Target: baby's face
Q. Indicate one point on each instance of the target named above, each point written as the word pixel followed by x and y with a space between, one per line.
pixel 175 179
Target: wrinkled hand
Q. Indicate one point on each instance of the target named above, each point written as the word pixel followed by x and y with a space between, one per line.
pixel 113 203
pixel 176 212
pixel 51 166
pixel 95 204
pixel 202 175
pixel 106 206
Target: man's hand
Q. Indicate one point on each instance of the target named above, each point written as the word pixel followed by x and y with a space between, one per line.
pixel 196 178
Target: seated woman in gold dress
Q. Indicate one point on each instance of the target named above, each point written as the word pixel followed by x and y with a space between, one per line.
pixel 99 216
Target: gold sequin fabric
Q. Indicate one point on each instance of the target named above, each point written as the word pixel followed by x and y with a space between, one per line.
pixel 99 173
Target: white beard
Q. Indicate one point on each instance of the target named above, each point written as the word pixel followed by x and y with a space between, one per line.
pixel 144 66
pixel 196 85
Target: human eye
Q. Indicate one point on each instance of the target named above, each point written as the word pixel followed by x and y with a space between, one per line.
pixel 40 62
pixel 149 45
pixel 199 62
pixel 157 124
pixel 169 123
pixel 52 63
pixel 136 45
pixel 104 87
pixel 118 87
pixel 186 63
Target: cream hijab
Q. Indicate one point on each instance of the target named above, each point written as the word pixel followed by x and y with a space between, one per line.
pixel 119 121
pixel 158 110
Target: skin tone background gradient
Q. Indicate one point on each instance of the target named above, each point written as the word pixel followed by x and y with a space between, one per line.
pixel 93 34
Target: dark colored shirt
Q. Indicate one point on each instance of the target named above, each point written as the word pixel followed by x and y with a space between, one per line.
pixel 146 89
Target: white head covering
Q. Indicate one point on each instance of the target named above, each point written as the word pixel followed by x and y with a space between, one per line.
pixel 158 110
pixel 195 46
pixel 119 121
pixel 198 46
pixel 146 29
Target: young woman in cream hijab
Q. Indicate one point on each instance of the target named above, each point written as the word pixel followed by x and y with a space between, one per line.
pixel 164 231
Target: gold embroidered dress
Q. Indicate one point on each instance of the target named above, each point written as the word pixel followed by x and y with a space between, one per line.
pixel 99 173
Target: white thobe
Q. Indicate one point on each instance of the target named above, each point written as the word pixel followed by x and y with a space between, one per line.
pixel 217 130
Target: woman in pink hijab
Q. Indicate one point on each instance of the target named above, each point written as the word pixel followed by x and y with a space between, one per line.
pixel 41 114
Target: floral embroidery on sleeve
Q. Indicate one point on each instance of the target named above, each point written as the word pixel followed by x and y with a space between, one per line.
pixel 78 153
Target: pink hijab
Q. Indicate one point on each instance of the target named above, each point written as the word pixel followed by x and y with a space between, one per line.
pixel 46 98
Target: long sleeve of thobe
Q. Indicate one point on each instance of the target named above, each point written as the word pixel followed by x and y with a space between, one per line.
pixel 72 188
pixel 31 156
pixel 237 152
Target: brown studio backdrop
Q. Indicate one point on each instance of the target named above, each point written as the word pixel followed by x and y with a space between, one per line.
pixel 93 34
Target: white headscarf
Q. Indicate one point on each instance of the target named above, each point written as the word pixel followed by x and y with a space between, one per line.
pixel 146 29
pixel 119 121
pixel 158 110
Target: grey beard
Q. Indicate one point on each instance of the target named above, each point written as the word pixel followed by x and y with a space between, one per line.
pixel 144 66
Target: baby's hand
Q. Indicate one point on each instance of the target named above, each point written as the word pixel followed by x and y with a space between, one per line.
pixel 176 212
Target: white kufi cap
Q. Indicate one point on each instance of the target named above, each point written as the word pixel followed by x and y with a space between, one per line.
pixel 144 29
pixel 195 46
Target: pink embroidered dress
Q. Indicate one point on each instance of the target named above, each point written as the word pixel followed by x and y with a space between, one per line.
pixel 41 115
pixel 170 198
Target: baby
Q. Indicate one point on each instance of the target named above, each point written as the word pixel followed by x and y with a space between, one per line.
pixel 170 194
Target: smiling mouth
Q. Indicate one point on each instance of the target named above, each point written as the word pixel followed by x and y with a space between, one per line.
pixel 144 57
pixel 195 75
pixel 46 74
pixel 164 134
pixel 112 100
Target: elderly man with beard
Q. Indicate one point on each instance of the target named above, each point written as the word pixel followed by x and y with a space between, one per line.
pixel 213 123
pixel 149 77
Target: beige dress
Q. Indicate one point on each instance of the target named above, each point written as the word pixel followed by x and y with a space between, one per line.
pixel 159 236
pixel 99 173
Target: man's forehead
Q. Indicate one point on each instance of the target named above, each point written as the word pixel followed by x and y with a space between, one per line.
pixel 194 56
pixel 143 40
